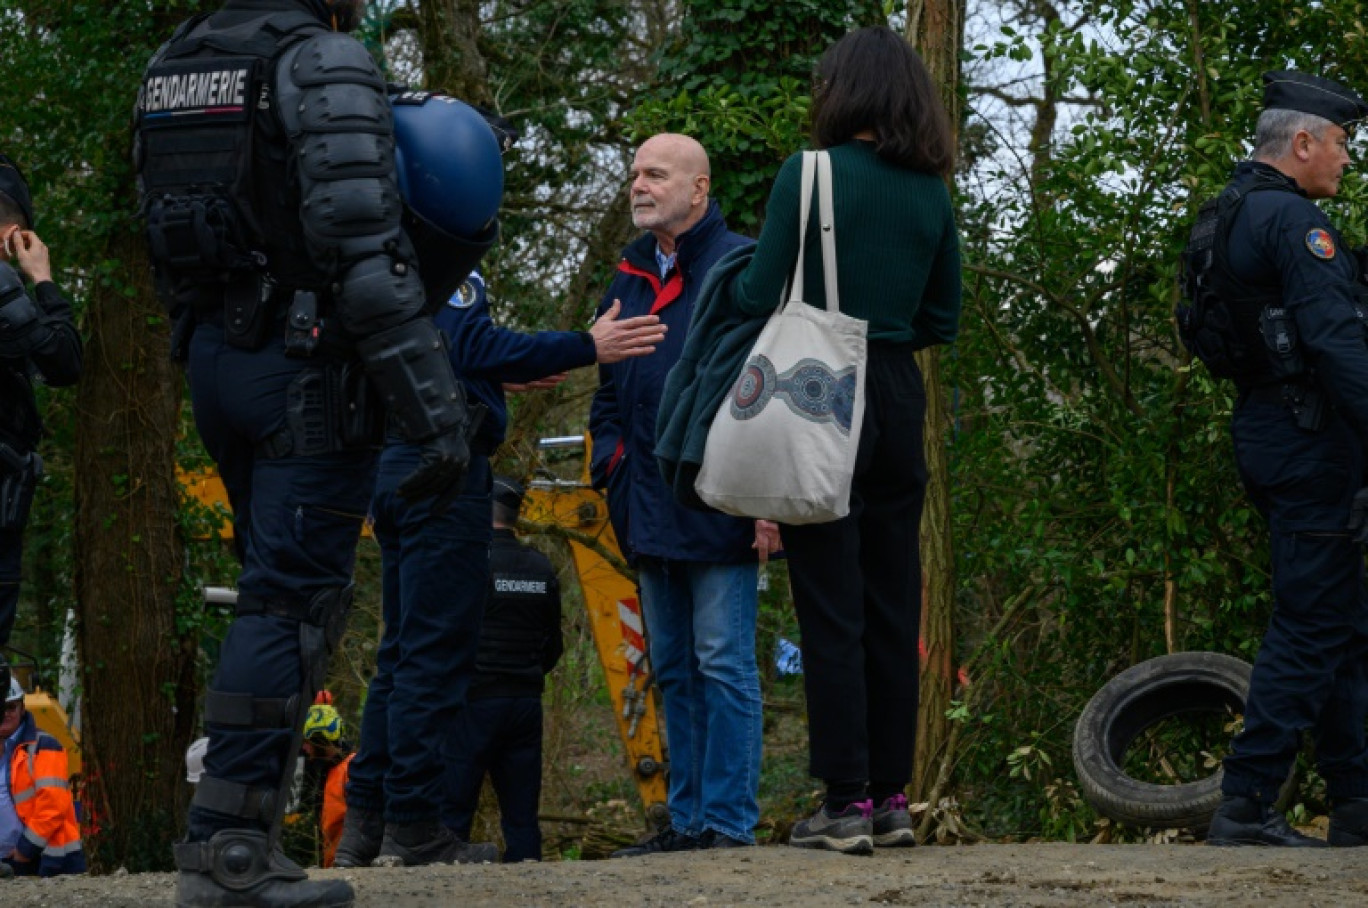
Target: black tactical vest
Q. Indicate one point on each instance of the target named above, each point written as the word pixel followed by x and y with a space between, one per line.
pixel 513 636
pixel 1238 330
pixel 212 156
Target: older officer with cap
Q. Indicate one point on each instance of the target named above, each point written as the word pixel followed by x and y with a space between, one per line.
pixel 1299 428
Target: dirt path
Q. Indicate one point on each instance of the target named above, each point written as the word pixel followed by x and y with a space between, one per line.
pixel 994 875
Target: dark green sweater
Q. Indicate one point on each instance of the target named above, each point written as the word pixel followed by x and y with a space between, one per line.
pixel 897 250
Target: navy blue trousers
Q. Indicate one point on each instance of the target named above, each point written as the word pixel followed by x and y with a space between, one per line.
pixel 1312 668
pixel 500 737
pixel 436 578
pixel 296 522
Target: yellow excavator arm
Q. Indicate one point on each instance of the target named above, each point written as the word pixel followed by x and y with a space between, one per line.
pixel 614 608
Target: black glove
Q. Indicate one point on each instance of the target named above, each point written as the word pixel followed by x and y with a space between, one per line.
pixel 1358 516
pixel 441 471
pixel 443 462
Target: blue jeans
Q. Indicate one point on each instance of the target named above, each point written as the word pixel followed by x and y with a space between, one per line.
pixel 500 737
pixel 435 580
pixel 700 622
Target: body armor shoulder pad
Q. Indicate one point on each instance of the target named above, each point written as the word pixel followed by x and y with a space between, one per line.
pixel 331 58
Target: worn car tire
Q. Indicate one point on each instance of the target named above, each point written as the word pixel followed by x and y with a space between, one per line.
pixel 1136 699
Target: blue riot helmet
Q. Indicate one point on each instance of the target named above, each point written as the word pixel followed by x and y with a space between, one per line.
pixel 450 170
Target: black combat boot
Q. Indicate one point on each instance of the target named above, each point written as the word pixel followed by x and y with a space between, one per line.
pixel 429 842
pixel 1245 821
pixel 237 868
pixel 362 832
pixel 1349 823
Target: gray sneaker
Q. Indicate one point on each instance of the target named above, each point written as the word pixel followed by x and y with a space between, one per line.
pixel 893 824
pixel 416 844
pixel 850 832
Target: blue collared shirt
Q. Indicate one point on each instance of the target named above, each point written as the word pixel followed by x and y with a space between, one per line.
pixel 664 262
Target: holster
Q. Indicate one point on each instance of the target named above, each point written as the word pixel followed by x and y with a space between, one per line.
pixel 328 408
pixel 19 475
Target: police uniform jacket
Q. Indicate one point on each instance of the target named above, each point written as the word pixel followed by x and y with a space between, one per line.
pixel 51 841
pixel 622 420
pixel 1281 239
pixel 58 361
pixel 485 355
pixel 520 639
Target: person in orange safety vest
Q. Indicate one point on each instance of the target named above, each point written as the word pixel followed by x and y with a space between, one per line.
pixel 327 754
pixel 38 830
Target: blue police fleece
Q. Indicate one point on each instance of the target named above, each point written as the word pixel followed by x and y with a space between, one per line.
pixel 485 355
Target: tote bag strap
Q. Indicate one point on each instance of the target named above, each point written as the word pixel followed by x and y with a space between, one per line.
pixel 804 210
pixel 827 224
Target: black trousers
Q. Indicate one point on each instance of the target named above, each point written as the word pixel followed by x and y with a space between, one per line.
pixel 857 590
pixel 500 737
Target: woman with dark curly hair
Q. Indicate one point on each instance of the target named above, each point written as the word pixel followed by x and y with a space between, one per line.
pixel 857 580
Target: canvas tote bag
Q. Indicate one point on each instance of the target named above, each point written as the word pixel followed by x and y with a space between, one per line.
pixel 782 445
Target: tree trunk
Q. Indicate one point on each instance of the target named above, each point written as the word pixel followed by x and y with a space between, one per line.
pixel 936 29
pixel 138 664
pixel 448 33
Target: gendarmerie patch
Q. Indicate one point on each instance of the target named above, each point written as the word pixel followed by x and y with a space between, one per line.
pixel 196 88
pixel 1321 243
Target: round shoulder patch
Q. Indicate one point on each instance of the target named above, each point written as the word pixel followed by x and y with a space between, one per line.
pixel 1321 243
pixel 464 297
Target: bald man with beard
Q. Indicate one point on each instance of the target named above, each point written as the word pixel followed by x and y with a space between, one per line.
pixel 696 571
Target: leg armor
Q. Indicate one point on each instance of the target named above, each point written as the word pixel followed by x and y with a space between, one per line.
pixel 321 622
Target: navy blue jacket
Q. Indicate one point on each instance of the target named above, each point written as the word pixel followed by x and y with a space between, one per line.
pixel 1283 240
pixel 622 421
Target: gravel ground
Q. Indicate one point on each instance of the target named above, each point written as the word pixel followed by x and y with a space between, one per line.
pixel 995 875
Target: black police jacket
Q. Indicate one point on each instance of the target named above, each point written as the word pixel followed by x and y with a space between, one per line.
pixel 1283 240
pixel 520 640
pixel 57 358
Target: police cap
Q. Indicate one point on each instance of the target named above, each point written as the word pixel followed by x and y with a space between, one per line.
pixel 1287 90
pixel 13 184
pixel 508 492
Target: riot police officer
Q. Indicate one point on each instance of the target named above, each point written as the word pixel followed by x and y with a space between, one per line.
pixel 1300 362
pixel 499 733
pixel 37 337
pixel 436 565
pixel 265 157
